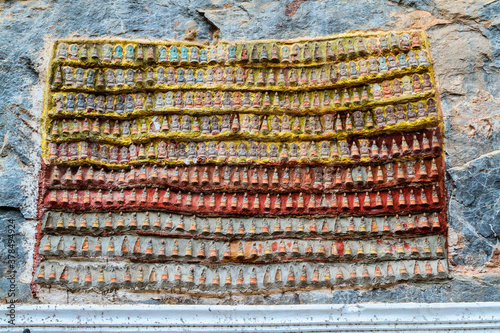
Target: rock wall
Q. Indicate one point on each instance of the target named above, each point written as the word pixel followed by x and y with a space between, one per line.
pixel 465 45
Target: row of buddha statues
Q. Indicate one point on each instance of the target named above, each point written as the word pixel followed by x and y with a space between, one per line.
pixel 286 76
pixel 380 148
pixel 288 249
pixel 224 124
pixel 138 102
pixel 412 198
pixel 233 277
pixel 257 52
pixel 327 227
pixel 245 177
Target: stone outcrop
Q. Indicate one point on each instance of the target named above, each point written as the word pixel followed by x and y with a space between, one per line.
pixel 465 46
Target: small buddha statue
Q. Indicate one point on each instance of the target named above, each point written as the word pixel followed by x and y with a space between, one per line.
pixel 125 128
pixel 129 80
pixel 237 99
pixel 113 155
pixel 182 151
pixel 174 123
pixel 190 79
pixel 412 59
pixel 162 149
pixel 80 102
pixel 396 87
pixel 200 74
pixel 344 149
pixel 294 151
pixel 273 154
pixel 242 150
pixel 377 93
pixel 304 151
pixel 73 150
pixel 410 112
pixel 212 150
pixel 210 76
pixel 169 98
pixel 202 150
pixel 427 84
pixel 344 74
pixel 219 76
pixel 373 68
pixel 79 77
pixel 400 114
pixel 215 125
pixel 263 153
pixel 407 87
pixel 383 68
pixel 324 150
pixel 353 70
pixel 246 99
pixel 240 76
pixel 120 105
pixel 364 148
pixel 110 78
pixel 379 117
pixel 174 55
pixel 123 155
pixel 229 75
pixel 172 152
pixel 421 113
pixel 285 54
pixel 363 67
pixel 178 102
pixel 198 101
pixel 139 104
pixel 62 51
pixel 191 150
pixel 386 89
pixel 285 123
pixel 205 125
pixel 245 123
pixel 402 61
pixel 405 41
pixel 275 124
pixel 208 99
pixel 189 100
pixel 417 85
pixel 431 107
pixel 422 58
pixel 186 124
pixel 232 154
pixel 254 128
pixel 226 102
pixel 389 114
pixel 226 123
pixel 222 153
pixel 159 101
pixel 392 63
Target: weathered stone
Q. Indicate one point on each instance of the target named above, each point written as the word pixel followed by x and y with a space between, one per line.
pixel 471 82
pixel 14 256
pixel 474 209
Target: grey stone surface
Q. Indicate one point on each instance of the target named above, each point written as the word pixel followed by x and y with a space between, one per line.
pixel 13 257
pixel 465 45
pixel 474 208
pixel 19 159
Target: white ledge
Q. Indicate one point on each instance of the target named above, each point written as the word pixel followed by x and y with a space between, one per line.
pixel 404 317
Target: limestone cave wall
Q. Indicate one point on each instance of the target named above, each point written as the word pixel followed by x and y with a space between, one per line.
pixel 464 41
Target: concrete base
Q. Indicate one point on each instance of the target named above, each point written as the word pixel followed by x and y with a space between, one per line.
pixel 408 317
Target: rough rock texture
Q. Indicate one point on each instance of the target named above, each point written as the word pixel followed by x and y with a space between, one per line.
pixel 465 45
